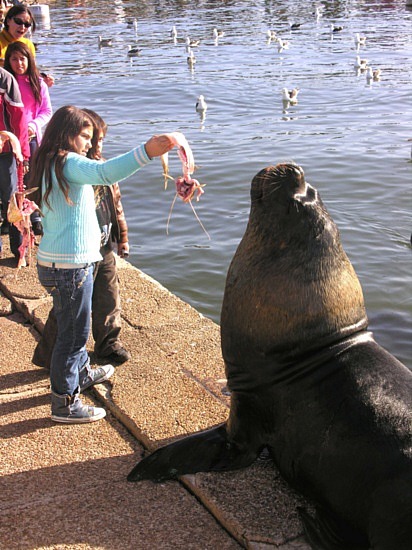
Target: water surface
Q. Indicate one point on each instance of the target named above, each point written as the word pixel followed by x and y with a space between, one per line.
pixel 349 136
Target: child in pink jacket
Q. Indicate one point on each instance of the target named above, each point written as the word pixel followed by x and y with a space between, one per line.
pixel 19 61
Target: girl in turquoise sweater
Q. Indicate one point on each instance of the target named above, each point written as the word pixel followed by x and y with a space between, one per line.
pixel 70 246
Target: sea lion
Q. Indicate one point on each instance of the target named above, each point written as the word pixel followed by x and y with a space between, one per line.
pixel 307 379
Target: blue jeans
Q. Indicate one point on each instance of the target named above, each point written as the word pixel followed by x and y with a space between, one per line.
pixel 71 290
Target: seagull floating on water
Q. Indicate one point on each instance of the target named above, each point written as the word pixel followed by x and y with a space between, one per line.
pixel 318 12
pixel 201 105
pixel 295 26
pixel 218 34
pixel 360 40
pixel 132 23
pixel 133 51
pixel 291 96
pixel 192 43
pixel 335 29
pixel 104 41
pixel 361 63
pixel 282 44
pixel 374 75
pixel 191 59
pixel 173 33
pixel 271 34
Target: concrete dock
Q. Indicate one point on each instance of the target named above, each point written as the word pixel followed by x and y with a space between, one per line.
pixel 64 486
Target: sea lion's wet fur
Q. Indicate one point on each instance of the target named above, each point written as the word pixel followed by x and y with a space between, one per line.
pixel 290 280
pixel 308 380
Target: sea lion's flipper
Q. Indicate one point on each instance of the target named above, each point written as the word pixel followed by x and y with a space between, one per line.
pixel 326 533
pixel 208 451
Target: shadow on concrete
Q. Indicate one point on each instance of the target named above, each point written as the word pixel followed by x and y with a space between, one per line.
pixel 22 378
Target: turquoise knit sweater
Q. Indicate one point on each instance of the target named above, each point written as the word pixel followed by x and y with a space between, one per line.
pixel 71 232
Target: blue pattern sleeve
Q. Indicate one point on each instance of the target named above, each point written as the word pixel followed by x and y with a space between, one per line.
pixel 79 170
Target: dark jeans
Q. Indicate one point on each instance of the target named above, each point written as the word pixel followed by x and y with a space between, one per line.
pixel 106 318
pixel 33 144
pixel 8 186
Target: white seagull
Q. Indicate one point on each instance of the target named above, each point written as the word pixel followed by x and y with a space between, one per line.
pixel 191 59
pixel 173 33
pixel 201 105
pixel 132 23
pixel 271 35
pixel 218 34
pixel 360 40
pixel 361 63
pixel 374 75
pixel 290 96
pixel 282 44
pixel 192 43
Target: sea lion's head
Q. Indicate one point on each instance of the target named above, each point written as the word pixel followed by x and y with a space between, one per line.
pixel 285 178
pixel 290 286
pixel 286 209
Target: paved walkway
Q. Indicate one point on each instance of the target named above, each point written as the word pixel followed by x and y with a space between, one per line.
pixel 65 486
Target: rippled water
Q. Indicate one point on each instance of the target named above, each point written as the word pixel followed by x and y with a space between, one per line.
pixel 349 136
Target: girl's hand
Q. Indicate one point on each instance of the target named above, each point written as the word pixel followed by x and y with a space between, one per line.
pixel 123 250
pixel 157 146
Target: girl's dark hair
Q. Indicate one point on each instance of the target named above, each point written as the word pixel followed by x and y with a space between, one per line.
pixel 32 71
pixel 99 127
pixel 15 11
pixel 64 126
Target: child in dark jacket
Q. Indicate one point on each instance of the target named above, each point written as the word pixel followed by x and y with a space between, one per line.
pixel 12 119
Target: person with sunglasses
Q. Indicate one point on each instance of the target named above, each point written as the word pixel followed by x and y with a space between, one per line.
pixel 17 22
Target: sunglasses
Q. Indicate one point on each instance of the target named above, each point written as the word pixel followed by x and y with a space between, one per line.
pixel 21 22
